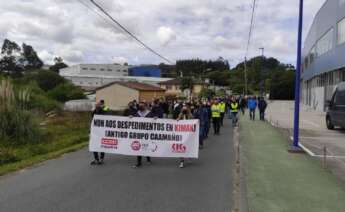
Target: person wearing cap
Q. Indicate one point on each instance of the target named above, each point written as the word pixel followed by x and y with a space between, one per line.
pixel 100 109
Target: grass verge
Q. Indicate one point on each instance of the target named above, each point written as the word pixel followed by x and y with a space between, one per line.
pixel 66 132
pixel 279 181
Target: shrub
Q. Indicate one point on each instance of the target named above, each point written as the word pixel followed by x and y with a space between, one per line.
pixel 16 123
pixel 46 80
pixel 7 156
pixel 65 92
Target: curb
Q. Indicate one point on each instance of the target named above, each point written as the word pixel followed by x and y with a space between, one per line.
pixel 240 197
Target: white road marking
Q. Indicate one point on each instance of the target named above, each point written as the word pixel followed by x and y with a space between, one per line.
pixel 311 123
pixel 309 152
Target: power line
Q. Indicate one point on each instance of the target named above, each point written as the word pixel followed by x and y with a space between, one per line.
pixel 251 27
pixel 128 32
pixel 248 44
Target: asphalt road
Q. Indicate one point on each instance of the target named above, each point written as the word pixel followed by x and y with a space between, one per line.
pixel 70 184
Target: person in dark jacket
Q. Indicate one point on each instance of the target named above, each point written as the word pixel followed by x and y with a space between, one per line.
pixel 157 109
pixel 100 109
pixel 144 113
pixel 130 110
pixel 262 108
pixel 201 113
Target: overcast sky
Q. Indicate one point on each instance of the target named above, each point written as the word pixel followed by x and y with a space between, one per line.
pixel 178 29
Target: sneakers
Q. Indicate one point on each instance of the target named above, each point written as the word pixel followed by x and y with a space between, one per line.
pixel 181 165
pixel 94 162
pixel 136 166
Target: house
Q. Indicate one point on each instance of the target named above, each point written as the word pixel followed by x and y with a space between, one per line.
pixel 117 95
pixel 173 88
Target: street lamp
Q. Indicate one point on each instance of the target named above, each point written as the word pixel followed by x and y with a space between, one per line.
pixel 295 147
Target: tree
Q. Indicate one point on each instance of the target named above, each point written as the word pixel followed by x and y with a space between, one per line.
pixel 59 64
pixel 9 60
pixel 30 58
pixel 9 48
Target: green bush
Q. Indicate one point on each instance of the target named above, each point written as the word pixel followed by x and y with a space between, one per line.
pixel 65 92
pixel 19 126
pixel 46 80
pixel 16 123
pixel 7 156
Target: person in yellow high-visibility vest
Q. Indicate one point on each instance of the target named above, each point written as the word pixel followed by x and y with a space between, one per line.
pixel 234 106
pixel 216 116
pixel 222 106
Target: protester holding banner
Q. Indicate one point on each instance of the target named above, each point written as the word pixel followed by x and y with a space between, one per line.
pixel 184 115
pixel 144 113
pixel 100 109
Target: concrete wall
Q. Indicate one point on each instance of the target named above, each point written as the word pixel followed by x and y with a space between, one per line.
pixel 149 96
pixel 116 96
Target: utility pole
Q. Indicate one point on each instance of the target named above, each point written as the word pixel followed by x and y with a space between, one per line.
pixel 261 70
pixel 245 77
pixel 295 147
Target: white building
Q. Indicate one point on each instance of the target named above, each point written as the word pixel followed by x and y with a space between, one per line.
pixel 95 69
pixel 92 76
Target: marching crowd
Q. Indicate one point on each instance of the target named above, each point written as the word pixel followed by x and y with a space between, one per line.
pixel 208 112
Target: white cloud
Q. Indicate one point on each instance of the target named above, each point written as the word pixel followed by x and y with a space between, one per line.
pixel 177 29
pixel 165 35
pixel 119 60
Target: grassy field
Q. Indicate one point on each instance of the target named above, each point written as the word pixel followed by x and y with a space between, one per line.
pixel 63 133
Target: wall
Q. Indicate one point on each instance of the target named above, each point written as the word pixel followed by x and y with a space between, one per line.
pixel 116 96
pixel 145 71
pixel 149 96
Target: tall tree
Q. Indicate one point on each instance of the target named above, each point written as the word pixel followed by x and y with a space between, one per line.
pixel 9 59
pixel 30 58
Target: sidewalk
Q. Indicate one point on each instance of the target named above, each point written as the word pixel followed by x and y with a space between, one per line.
pixel 314 135
pixel 281 181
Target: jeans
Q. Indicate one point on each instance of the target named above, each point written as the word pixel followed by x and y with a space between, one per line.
pixel 252 114
pixel 216 124
pixel 234 118
pixel 139 158
pixel 262 115
pixel 96 156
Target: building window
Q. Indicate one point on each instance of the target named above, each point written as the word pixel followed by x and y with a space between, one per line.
pixel 110 70
pixel 325 43
pixel 92 69
pixel 84 69
pixel 341 31
pixel 102 69
pixel 312 55
pixel 125 71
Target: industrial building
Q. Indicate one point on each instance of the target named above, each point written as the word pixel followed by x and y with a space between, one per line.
pixel 324 55
pixel 93 76
pixel 145 71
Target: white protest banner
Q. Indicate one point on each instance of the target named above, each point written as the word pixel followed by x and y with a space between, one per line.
pixel 145 136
